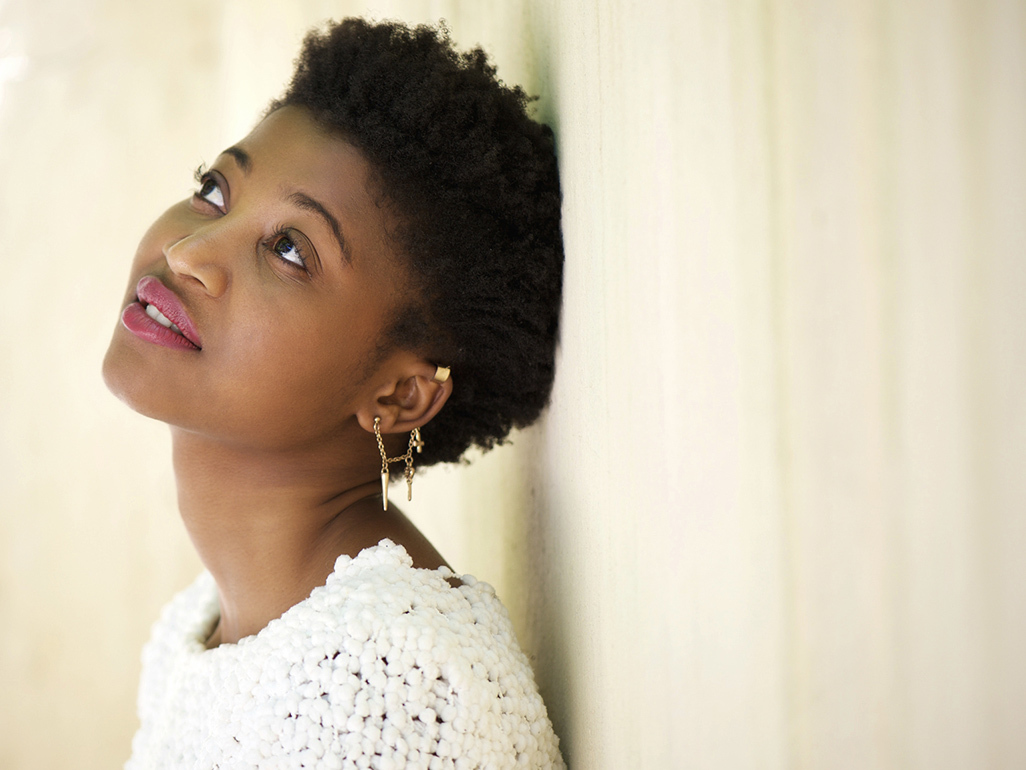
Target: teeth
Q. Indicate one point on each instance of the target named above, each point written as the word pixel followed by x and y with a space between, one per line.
pixel 163 320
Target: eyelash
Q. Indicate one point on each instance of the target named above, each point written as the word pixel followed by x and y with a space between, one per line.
pixel 280 232
pixel 200 176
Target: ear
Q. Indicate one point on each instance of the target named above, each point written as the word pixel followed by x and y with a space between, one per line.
pixel 409 397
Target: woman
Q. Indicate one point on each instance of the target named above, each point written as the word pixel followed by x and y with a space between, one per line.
pixel 367 283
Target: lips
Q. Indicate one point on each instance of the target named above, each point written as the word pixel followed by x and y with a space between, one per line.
pixel 158 316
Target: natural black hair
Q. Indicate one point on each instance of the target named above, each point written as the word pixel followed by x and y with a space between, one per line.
pixel 472 182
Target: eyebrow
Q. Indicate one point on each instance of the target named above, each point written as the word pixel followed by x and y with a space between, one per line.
pixel 241 157
pixel 302 200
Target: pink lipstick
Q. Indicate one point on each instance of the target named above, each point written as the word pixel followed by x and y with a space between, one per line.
pixel 157 316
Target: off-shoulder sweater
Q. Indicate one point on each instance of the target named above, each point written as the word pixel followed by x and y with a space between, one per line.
pixel 385 666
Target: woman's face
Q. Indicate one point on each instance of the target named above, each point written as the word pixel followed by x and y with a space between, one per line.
pixel 281 267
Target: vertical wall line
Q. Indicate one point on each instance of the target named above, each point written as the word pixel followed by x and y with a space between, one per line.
pixel 771 16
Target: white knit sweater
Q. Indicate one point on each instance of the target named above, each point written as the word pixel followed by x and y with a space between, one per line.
pixel 384 666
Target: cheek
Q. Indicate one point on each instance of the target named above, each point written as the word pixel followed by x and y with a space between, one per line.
pixel 303 377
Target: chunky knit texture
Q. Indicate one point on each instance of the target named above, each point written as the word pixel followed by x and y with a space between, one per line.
pixel 385 666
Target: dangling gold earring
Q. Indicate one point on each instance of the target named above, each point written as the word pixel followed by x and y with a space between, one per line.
pixel 384 464
pixel 415 442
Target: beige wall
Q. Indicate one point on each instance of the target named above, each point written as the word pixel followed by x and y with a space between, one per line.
pixel 775 516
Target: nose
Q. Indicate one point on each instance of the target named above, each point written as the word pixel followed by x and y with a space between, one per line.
pixel 196 257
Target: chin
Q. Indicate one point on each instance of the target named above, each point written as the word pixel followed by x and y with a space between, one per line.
pixel 117 372
pixel 146 386
pixel 124 374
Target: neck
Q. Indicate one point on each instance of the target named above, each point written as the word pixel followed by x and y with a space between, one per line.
pixel 269 526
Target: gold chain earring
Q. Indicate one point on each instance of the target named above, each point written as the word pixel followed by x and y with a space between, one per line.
pixel 415 443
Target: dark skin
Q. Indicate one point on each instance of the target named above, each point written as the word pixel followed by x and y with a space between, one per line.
pixel 277 468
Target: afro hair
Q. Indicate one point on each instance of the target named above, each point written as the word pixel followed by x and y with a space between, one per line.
pixel 473 183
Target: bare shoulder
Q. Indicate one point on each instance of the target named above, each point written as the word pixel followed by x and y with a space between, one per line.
pixel 370 525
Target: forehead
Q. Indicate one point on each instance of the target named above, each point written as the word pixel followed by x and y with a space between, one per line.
pixel 289 141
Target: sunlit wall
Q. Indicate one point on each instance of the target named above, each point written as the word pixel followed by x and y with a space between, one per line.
pixel 775 515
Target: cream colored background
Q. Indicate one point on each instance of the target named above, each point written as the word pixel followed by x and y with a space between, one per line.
pixel 775 516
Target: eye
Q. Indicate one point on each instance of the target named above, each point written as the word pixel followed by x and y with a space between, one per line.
pixel 287 250
pixel 210 191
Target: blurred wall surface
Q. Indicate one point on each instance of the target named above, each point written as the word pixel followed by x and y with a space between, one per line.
pixel 774 517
